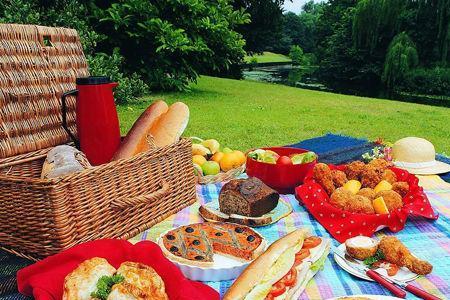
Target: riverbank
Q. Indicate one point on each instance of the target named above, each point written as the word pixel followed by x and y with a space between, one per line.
pixel 306 77
pixel 245 114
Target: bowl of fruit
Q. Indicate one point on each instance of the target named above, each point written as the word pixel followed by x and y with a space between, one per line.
pixel 281 168
pixel 214 163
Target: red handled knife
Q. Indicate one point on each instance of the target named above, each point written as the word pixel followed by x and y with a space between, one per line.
pixel 395 290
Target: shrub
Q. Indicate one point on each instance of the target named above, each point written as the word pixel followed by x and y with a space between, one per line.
pixel 129 88
pixel 434 81
pixel 171 42
pixel 309 59
pixel 296 54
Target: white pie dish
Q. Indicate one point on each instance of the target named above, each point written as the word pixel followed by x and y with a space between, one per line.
pixel 223 267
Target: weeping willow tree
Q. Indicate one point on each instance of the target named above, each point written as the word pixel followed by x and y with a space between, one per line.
pixel 443 37
pixel 373 18
pixel 400 58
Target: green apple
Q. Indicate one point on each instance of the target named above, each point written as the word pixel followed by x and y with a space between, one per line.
pixel 227 150
pixel 211 168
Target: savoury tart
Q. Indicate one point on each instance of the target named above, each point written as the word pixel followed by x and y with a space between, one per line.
pixel 195 244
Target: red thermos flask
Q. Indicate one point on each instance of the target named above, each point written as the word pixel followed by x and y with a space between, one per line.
pixel 96 118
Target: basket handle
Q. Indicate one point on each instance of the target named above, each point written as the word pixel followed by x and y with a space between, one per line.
pixel 64 115
pixel 126 202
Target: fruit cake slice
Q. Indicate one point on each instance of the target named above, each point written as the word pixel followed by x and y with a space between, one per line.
pixel 195 244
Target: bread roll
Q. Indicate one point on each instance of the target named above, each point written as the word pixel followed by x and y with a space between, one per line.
pixel 140 282
pixel 168 129
pixel 82 281
pixel 63 160
pixel 136 140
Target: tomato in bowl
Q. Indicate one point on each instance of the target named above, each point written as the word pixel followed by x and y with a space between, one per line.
pixel 280 175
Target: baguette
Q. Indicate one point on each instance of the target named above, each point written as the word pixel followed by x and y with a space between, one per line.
pixel 136 140
pixel 251 276
pixel 275 265
pixel 168 129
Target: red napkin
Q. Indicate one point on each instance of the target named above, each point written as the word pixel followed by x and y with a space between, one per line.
pixel 343 225
pixel 44 280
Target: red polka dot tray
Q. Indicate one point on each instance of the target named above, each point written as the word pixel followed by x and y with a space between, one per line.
pixel 343 224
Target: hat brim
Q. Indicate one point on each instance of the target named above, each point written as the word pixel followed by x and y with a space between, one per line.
pixel 438 168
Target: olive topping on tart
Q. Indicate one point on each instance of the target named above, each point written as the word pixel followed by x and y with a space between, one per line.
pixel 197 243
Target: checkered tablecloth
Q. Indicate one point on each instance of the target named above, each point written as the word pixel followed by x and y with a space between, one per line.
pixel 429 240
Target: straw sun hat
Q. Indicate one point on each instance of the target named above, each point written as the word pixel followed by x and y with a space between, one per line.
pixel 417 156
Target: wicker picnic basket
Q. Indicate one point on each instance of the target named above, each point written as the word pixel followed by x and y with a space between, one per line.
pixel 41 217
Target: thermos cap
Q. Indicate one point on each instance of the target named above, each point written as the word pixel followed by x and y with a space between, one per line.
pixel 92 80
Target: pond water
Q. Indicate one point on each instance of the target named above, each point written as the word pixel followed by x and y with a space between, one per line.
pixel 304 77
pixel 297 76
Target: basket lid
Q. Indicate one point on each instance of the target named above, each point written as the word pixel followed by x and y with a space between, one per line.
pixel 37 65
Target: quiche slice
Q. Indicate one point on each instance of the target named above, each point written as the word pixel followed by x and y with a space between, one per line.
pixel 195 244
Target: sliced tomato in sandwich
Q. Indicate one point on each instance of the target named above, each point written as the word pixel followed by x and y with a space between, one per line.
pixel 300 256
pixel 277 289
pixel 311 242
pixel 290 278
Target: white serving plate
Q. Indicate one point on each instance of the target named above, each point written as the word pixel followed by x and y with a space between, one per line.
pixel 223 267
pixel 374 297
pixel 403 274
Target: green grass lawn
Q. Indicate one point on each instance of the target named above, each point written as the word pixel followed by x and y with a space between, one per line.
pixel 267 57
pixel 246 114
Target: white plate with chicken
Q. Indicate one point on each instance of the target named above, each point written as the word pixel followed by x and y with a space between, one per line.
pixel 365 297
pixel 388 256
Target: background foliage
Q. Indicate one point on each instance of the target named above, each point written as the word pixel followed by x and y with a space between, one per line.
pixel 158 44
pixel 373 45
pixel 358 45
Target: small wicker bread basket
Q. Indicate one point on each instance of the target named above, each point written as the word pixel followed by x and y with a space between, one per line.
pixel 119 199
pixel 221 177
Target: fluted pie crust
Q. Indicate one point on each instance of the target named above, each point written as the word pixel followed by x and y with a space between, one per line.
pixel 195 244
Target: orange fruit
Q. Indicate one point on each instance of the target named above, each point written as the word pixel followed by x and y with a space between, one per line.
pixel 217 156
pixel 383 185
pixel 352 186
pixel 380 206
pixel 198 159
pixel 240 157
pixel 230 161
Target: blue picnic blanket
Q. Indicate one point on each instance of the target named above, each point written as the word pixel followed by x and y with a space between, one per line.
pixel 339 149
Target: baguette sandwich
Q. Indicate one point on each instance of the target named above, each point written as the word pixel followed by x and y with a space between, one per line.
pixel 283 270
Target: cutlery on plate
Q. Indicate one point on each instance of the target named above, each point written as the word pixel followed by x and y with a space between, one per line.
pixel 395 290
pixel 406 286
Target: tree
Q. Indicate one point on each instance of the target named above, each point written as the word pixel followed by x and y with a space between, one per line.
pixel 171 42
pixel 401 57
pixel 264 29
pixel 300 29
pixel 296 54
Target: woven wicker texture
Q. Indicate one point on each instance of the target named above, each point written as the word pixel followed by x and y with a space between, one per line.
pixel 40 217
pixel 221 177
pixel 37 64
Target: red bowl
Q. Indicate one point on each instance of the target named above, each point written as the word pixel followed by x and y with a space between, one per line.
pixel 283 178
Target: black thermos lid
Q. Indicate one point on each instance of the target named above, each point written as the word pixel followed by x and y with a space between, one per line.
pixel 93 80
